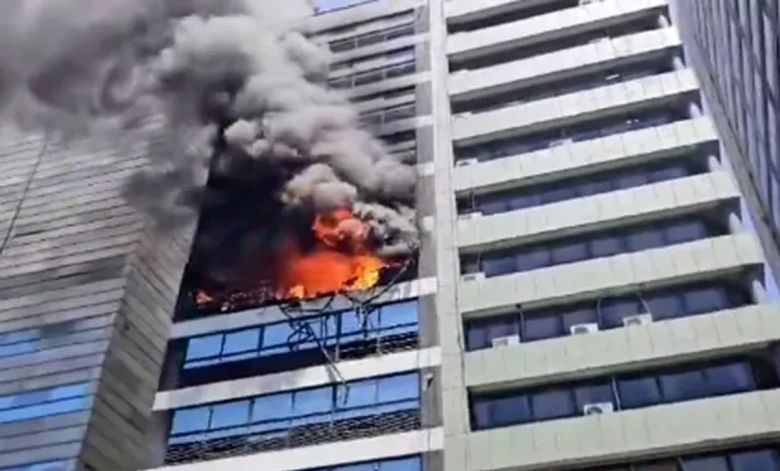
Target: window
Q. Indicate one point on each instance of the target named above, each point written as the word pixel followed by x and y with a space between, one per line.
pixel 325 6
pixel 562 40
pixel 374 37
pixel 574 249
pixel 396 464
pixel 585 81
pixel 376 75
pixel 577 132
pixel 61 465
pixel 388 115
pixel 322 414
pixel 334 329
pixel 44 402
pixel 607 313
pixel 755 459
pixel 629 391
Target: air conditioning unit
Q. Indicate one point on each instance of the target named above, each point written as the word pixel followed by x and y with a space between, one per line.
pixel 581 329
pixel 507 341
pixel 473 277
pixel 466 162
pixel 639 319
pixel 598 408
pixel 470 216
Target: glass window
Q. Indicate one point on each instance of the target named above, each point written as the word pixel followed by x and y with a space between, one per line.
pixel 357 394
pixel 396 388
pixel 683 386
pixel 18 348
pixel 668 173
pixel 631 181
pixel 644 239
pixel 477 335
pixel 509 411
pixel 593 394
pixel 399 314
pixel 552 404
pixel 62 465
pixel 190 420
pixel 605 246
pixel 536 258
pixel 567 253
pixel 542 326
pixel 498 265
pixel 276 338
pixel 706 299
pixel 730 378
pixel 713 463
pixel 312 401
pixel 686 231
pixel 204 347
pixel 584 315
pixel 668 465
pixel 241 341
pixel 271 407
pixel 404 464
pixel 759 460
pixel 665 306
pixel 358 467
pixel 229 414
pixel 638 392
pixel 613 310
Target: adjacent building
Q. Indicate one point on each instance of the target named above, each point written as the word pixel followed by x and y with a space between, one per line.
pixel 591 291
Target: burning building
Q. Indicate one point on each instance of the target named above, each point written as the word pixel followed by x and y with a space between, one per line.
pixel 405 235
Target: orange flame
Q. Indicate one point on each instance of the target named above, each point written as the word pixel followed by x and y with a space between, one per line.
pixel 342 260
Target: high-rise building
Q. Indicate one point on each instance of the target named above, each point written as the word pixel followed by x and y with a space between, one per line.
pixel 735 48
pixel 589 294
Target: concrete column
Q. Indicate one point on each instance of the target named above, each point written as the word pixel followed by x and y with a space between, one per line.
pixel 735 223
pixel 758 291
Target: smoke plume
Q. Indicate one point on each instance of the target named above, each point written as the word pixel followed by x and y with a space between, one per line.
pixel 235 74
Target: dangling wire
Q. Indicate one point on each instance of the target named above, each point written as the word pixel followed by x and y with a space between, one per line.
pixel 23 196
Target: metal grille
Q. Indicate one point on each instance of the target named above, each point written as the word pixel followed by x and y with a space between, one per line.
pixel 293 437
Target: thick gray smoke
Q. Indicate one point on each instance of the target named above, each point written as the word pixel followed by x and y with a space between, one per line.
pixel 208 67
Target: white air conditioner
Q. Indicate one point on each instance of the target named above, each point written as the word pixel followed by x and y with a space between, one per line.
pixel 473 277
pixel 466 162
pixel 507 341
pixel 639 319
pixel 581 329
pixel 598 408
pixel 470 216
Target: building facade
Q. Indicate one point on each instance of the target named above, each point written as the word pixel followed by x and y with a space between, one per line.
pixel 87 287
pixel 735 48
pixel 588 295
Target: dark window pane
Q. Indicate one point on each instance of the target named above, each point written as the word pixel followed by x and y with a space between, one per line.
pixel 715 463
pixel 665 306
pixel 667 174
pixel 481 414
pixel 644 239
pixel 405 464
pixel 670 465
pixel 542 326
pixel 229 414
pixel 583 315
pixel 509 411
pixel 596 187
pixel 190 420
pixel 706 300
pixel 552 404
pixel 533 259
pixel 631 181
pixel 759 460
pixel 613 310
pixel 593 394
pixel 368 77
pixel 495 266
pixel 569 252
pixel 357 394
pixel 558 194
pixel 477 335
pixel 685 232
pixel 606 246
pixel 638 392
pixel 683 386
pixel 730 378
